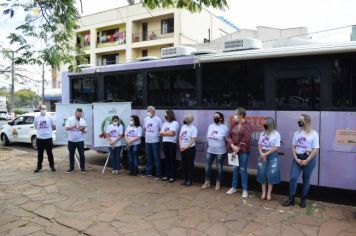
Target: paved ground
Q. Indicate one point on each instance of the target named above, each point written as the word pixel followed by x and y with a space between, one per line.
pixel 91 204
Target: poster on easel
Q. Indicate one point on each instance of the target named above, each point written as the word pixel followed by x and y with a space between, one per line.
pixel 103 113
pixel 63 112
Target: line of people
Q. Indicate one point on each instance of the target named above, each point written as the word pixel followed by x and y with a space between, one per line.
pixel 221 141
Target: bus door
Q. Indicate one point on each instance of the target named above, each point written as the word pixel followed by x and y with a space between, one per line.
pixel 297 92
pixel 338 150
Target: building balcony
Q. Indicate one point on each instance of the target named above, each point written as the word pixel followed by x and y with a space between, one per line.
pixel 109 40
pixel 152 35
pixel 83 40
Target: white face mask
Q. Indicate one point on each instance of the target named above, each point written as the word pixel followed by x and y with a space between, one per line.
pixel 236 118
pixel 131 122
pixel 43 112
pixel 149 114
pixel 115 122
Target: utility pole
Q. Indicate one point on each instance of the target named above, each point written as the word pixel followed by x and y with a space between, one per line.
pixel 43 81
pixel 12 104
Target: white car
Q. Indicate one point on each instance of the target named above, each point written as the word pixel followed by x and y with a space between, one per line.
pixel 4 115
pixel 22 129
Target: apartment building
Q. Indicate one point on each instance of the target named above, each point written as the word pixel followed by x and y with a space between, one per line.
pixel 124 34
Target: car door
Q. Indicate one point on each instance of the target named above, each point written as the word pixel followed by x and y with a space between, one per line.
pixel 16 129
pixel 28 129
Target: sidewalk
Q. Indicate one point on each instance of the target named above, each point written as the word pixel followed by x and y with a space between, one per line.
pixel 91 204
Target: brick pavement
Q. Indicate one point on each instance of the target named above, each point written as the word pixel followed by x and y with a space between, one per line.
pixel 91 204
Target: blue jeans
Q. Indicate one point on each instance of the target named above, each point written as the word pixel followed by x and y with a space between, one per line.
pixel 132 152
pixel 219 165
pixel 152 153
pixel 242 169
pixel 295 173
pixel 115 157
pixel 269 170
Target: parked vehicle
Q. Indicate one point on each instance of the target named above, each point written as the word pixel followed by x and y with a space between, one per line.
pixel 4 115
pixel 22 129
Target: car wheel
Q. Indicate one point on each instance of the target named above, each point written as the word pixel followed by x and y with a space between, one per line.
pixel 34 142
pixel 5 140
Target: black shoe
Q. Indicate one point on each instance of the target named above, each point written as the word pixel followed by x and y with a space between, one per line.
pixel 53 169
pixel 164 179
pixel 303 202
pixel 83 171
pixel 69 171
pixel 289 202
pixel 37 170
pixel 188 184
pixel 131 173
pixel 135 172
pixel 183 183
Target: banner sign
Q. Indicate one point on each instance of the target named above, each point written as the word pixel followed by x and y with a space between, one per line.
pixel 63 112
pixel 103 113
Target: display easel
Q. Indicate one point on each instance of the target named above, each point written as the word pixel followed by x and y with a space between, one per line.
pixel 107 160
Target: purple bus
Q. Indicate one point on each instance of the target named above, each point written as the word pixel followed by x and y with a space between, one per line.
pixel 318 80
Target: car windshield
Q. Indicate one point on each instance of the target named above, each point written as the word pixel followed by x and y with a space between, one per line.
pixel 3 112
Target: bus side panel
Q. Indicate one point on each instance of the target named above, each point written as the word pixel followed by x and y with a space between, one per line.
pixel 65 88
pixel 338 150
pixel 287 125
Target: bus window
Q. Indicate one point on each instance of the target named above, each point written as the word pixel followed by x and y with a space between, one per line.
pixel 343 81
pixel 124 87
pixel 233 84
pixel 172 88
pixel 298 89
pixel 84 89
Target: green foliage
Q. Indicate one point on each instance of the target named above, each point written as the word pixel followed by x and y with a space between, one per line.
pixel 25 98
pixel 19 111
pixel 191 5
pixel 46 38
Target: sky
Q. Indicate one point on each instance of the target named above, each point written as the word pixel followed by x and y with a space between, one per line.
pixel 316 15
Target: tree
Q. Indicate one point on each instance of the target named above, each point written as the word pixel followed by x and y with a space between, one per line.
pixel 26 98
pixel 191 5
pixel 51 24
pixel 46 37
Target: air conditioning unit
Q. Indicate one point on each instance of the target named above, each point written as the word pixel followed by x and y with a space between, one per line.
pixel 179 51
pixel 147 58
pixel 242 44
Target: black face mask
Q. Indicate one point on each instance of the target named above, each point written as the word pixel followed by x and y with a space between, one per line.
pixel 265 126
pixel 216 120
pixel 300 123
pixel 185 122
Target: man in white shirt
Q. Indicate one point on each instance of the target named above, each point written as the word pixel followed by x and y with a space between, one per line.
pixel 44 126
pixel 76 127
pixel 152 126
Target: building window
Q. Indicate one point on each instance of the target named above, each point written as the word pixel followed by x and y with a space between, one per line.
pixel 298 89
pixel 84 89
pixel 172 88
pixel 110 59
pixel 343 81
pixel 232 84
pixel 144 53
pixel 124 87
pixel 167 26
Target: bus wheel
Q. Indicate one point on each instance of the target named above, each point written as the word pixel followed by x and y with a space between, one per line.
pixel 34 142
pixel 142 160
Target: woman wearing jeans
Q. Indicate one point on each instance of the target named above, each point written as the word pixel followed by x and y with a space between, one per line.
pixel 114 133
pixel 239 144
pixel 216 136
pixel 268 163
pixel 133 135
pixel 304 149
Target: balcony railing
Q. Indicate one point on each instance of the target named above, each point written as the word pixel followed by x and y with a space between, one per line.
pixel 108 40
pixel 151 35
pixel 83 41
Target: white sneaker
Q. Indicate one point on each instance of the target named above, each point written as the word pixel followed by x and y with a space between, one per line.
pixel 244 194
pixel 231 191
